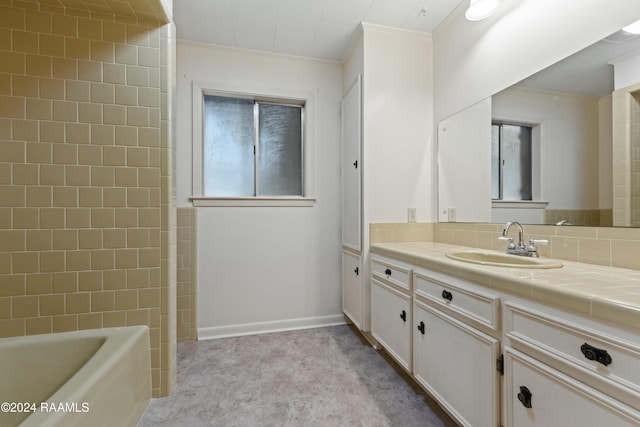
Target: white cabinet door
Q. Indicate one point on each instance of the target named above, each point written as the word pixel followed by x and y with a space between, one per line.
pixel 538 395
pixel 351 166
pixel 391 321
pixel 457 365
pixel 352 292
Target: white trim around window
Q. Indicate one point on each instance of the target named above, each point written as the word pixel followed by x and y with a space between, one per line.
pixel 201 88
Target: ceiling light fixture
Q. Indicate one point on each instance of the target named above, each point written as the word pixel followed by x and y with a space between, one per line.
pixel 480 9
pixel 633 28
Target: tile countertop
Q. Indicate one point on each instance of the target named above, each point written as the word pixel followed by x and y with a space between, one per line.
pixel 606 292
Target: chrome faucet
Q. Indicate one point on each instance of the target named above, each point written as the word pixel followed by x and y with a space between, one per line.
pixel 512 248
pixel 520 248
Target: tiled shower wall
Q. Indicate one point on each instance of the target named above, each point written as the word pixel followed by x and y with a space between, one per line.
pixel 87 221
pixel 186 273
pixel 634 127
pixel 626 144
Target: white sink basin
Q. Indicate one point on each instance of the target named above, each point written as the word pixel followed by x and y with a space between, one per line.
pixel 502 260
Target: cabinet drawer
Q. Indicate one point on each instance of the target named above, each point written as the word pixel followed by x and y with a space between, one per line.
pixel 479 307
pixel 613 363
pixel 390 272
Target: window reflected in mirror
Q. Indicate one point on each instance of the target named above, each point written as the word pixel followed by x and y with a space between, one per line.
pixel 511 168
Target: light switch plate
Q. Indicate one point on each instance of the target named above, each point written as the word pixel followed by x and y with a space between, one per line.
pixel 411 214
pixel 451 214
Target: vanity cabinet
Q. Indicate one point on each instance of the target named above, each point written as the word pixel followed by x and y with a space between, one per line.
pixel 453 359
pixel 496 358
pixel 559 371
pixel 391 313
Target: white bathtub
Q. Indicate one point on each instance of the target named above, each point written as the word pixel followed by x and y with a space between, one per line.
pixel 99 377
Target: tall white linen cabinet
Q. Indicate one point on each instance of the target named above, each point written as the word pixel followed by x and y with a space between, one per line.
pixel 387 147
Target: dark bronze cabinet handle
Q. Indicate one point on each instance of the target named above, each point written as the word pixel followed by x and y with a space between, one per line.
pixel 357 271
pixel 387 272
pixel 597 354
pixel 403 316
pixel 525 397
pixel 447 295
pixel 421 327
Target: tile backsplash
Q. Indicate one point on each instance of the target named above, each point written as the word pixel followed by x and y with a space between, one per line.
pixel 609 246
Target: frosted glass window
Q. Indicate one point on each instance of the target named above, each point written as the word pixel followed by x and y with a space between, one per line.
pixel 252 148
pixel 280 156
pixel 228 136
pixel 513 160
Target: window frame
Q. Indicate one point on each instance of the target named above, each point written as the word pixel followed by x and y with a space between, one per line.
pixel 199 90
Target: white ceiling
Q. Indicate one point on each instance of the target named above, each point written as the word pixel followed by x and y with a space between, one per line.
pixel 587 72
pixel 310 28
pixel 324 28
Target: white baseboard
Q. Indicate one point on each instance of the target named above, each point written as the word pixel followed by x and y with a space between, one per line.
pixel 268 327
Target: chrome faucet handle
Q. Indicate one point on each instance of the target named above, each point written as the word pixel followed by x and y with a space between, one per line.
pixel 532 250
pixel 534 242
pixel 543 242
pixel 510 245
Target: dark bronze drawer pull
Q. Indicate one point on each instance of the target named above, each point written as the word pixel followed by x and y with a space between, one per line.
pixel 387 272
pixel 447 295
pixel 592 353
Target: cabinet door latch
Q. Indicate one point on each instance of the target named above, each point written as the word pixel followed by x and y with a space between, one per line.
pixel 525 397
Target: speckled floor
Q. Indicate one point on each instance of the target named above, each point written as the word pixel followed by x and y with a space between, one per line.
pixel 314 377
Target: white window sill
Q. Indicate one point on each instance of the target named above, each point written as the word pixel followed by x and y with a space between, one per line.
pixel 253 201
pixel 519 204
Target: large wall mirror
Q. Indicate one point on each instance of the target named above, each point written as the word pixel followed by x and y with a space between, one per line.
pixel 550 149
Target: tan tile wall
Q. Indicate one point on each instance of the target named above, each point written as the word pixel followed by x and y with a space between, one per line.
pixel 400 232
pixel 617 247
pixel 86 175
pixel 624 104
pixel 168 245
pixel 634 128
pixel 611 246
pixel 186 284
pixel 588 217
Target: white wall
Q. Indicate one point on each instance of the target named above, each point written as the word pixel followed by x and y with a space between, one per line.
pixel 398 125
pixel 626 71
pixel 569 142
pixel 474 60
pixel 464 165
pixel 263 268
